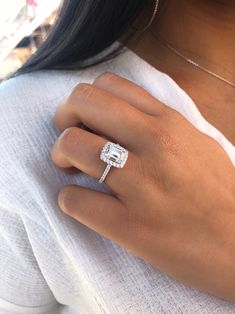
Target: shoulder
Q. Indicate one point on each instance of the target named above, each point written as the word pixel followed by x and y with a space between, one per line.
pixel 28 102
pixel 27 105
pixel 36 89
pixel 27 132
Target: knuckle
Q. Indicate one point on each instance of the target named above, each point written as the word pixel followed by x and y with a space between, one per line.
pixel 163 136
pixel 68 139
pixel 154 133
pixel 141 169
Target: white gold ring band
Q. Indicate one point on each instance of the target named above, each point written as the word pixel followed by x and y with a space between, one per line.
pixel 114 155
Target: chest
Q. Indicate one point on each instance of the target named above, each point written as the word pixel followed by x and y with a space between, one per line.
pixel 216 103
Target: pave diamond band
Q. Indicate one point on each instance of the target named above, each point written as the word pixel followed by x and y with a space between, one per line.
pixel 105 173
pixel 114 155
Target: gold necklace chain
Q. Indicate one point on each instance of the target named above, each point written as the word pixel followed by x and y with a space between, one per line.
pixel 166 44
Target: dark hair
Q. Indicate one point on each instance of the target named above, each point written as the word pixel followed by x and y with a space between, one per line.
pixel 82 30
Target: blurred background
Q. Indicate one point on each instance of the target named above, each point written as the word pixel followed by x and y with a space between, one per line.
pixel 23 26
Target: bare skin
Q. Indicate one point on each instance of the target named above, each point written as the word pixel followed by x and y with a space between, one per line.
pixel 203 31
pixel 173 202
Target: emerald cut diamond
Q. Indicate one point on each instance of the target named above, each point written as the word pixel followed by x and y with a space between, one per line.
pixel 114 155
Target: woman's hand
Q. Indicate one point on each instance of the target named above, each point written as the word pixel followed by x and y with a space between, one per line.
pixel 173 203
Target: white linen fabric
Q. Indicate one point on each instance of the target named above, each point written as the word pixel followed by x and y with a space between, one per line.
pixel 49 263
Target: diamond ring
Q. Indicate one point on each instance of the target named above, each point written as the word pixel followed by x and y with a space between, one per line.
pixel 114 155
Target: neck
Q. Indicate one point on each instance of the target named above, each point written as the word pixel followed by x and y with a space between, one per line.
pixel 203 30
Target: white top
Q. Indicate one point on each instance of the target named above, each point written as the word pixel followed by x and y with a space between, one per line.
pixel 48 259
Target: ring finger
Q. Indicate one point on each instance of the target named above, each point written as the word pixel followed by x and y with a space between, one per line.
pixel 81 149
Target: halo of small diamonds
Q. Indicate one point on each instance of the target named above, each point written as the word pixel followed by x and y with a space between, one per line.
pixel 114 155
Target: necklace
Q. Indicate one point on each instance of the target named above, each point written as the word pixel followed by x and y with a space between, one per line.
pixel 193 62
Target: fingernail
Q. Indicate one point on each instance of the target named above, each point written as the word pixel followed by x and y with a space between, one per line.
pixel 60 200
pixel 63 133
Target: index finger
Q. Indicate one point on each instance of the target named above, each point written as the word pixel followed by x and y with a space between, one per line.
pixel 134 94
pixel 104 113
pixel 123 89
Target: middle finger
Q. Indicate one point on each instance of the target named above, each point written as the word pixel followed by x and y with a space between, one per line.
pixel 105 114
